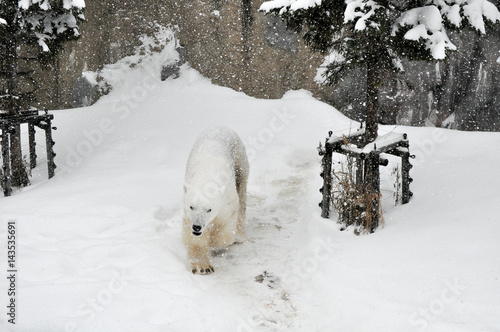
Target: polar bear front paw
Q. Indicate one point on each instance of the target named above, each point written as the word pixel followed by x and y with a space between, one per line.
pixel 202 269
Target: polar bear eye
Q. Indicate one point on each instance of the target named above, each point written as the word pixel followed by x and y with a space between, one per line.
pixel 192 208
pixel 209 210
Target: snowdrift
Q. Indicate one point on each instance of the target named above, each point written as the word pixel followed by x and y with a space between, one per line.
pixel 99 246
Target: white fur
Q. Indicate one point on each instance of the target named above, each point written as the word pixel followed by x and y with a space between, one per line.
pixel 214 195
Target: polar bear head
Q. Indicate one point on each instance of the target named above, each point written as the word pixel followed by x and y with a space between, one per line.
pixel 201 206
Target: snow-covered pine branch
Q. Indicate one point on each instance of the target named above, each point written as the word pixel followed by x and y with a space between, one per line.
pixel 45 21
pixel 475 12
pixel 288 5
pixel 374 34
pixel 425 24
pixel 47 5
pixel 362 12
pixel 422 24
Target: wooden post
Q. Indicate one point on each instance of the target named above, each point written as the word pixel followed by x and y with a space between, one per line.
pixel 376 191
pixel 32 144
pixel 327 180
pixel 359 172
pixel 405 171
pixel 50 152
pixel 372 187
pixel 7 190
pixel 359 162
pixel 405 177
pixel 404 153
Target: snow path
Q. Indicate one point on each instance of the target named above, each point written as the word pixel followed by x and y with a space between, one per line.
pixel 257 270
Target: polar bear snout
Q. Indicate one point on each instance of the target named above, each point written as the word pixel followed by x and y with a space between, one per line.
pixel 197 230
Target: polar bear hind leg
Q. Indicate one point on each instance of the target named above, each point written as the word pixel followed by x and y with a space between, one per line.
pixel 240 226
pixel 242 170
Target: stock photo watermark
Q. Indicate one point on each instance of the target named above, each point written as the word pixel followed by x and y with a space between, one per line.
pixel 427 315
pixel 300 273
pixel 88 310
pixel 427 147
pixel 11 272
pixel 120 110
pixel 277 124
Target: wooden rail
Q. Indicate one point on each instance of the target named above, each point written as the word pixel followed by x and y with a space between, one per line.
pixel 34 119
pixel 369 157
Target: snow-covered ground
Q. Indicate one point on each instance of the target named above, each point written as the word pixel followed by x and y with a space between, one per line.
pixel 99 245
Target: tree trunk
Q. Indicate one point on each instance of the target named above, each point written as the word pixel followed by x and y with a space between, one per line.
pixel 19 176
pixel 373 82
pixel 372 177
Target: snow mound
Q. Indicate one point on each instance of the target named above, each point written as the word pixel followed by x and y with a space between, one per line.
pixel 153 53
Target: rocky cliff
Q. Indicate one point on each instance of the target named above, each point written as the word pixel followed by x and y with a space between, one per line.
pixel 232 43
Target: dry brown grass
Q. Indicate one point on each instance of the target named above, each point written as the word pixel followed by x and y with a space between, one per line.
pixel 353 201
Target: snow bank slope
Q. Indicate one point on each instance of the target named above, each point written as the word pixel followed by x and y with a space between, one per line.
pixel 99 246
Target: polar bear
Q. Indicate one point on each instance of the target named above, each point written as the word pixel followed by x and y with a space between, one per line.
pixel 214 196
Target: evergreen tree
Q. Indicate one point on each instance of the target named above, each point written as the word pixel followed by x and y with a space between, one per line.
pixel 374 34
pixel 30 30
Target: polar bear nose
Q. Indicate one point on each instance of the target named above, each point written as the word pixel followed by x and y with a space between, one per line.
pixel 196 230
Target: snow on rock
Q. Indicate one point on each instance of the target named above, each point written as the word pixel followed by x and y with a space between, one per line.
pixel 146 57
pixel 91 77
